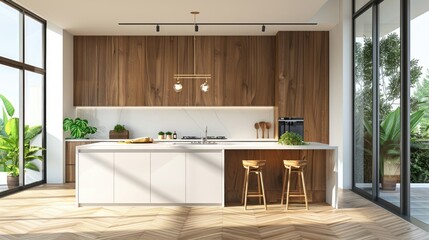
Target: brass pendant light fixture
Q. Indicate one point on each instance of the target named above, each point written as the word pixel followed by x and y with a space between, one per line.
pixel 179 77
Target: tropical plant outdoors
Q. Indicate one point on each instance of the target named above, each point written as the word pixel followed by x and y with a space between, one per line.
pixel 389 140
pixel 78 128
pixel 389 113
pixel 9 142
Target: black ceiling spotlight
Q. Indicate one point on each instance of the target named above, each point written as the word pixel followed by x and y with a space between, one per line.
pixel 196 27
pixel 263 28
pixel 157 27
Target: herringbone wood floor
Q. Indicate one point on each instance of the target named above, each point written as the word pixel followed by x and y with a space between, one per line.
pixel 49 212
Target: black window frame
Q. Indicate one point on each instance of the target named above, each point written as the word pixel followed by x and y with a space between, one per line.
pixel 22 66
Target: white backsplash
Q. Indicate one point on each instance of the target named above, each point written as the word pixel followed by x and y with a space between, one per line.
pixel 232 122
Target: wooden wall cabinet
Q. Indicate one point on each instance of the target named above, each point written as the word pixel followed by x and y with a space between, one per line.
pixel 302 84
pixel 138 70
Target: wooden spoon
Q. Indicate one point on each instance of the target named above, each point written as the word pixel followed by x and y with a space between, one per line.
pixel 262 124
pixel 268 126
pixel 257 129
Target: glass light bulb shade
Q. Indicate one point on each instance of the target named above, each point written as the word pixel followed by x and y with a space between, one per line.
pixel 204 87
pixel 178 86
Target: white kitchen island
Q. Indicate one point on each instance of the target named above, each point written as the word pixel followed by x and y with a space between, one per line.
pixel 170 173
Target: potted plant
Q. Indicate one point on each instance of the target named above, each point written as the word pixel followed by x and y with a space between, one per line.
pixel 9 145
pixel 290 138
pixel 119 132
pixel 78 128
pixel 161 135
pixel 390 155
pixel 169 135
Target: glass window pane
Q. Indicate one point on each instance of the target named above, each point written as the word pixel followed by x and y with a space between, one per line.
pixel 360 3
pixel 33 42
pixel 363 102
pixel 9 32
pixel 9 89
pixel 34 119
pixel 389 76
pixel 419 102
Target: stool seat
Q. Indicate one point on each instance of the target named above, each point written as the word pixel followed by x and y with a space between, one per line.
pixel 253 166
pixel 253 163
pixel 294 166
pixel 294 163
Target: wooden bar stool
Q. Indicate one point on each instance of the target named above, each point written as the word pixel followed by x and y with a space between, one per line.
pixel 294 166
pixel 253 166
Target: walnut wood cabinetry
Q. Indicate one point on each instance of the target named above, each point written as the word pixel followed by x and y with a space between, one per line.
pixel 273 173
pixel 71 158
pixel 302 84
pixel 138 70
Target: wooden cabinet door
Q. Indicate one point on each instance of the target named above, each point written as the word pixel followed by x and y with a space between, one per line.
pixel 95 178
pixel 132 177
pixel 204 177
pixel 167 177
pixel 70 160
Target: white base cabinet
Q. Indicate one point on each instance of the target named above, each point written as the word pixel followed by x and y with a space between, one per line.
pixel 204 177
pixel 167 177
pixel 194 177
pixel 132 178
pixel 95 178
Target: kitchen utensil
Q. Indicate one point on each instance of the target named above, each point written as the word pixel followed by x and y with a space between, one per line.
pixel 262 125
pixel 268 126
pixel 257 129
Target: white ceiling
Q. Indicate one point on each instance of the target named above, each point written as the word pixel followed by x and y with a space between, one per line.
pixel 101 17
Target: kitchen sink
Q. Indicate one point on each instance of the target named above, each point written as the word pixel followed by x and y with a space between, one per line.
pixel 195 143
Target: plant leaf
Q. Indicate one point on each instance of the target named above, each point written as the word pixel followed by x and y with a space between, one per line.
pixel 8 106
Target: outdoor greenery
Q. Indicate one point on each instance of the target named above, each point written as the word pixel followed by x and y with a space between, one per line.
pixel 389 92
pixel 78 128
pixel 290 138
pixel 9 142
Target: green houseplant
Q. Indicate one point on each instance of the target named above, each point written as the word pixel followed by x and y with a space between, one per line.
pixel 169 135
pixel 161 135
pixel 78 128
pixel 119 132
pixel 290 138
pixel 9 145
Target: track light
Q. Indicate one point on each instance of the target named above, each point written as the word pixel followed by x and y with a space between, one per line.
pixel 157 28
pixel 263 28
pixel 196 27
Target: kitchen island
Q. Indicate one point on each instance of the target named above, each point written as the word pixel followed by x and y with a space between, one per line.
pixel 181 173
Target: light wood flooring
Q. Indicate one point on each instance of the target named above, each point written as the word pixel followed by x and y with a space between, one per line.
pixel 49 212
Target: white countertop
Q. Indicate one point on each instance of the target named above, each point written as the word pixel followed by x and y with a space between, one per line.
pixel 180 140
pixel 180 145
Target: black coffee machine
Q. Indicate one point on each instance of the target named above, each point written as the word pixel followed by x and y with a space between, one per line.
pixel 291 124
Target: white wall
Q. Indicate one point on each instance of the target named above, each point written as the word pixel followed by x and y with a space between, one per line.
pixel 232 122
pixel 54 104
pixel 340 92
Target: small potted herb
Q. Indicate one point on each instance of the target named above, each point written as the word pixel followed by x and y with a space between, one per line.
pixel 119 132
pixel 290 138
pixel 169 135
pixel 161 135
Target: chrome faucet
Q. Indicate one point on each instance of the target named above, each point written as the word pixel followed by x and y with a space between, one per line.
pixel 204 139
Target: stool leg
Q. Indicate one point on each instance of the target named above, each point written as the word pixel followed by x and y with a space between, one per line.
pixel 259 186
pixel 288 187
pixel 244 186
pixel 263 189
pixel 284 186
pixel 247 188
pixel 305 190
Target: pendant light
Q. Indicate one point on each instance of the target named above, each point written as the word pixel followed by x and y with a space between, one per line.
pixel 179 77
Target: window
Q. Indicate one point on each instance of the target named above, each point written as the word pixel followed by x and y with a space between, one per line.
pixel 22 93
